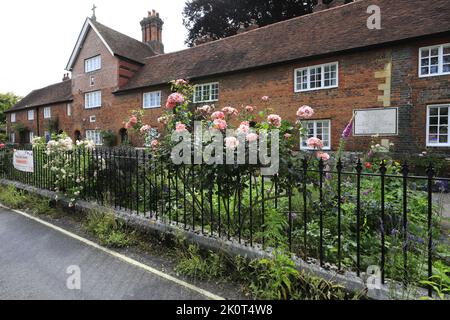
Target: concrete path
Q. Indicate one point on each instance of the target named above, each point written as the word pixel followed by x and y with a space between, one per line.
pixel 34 260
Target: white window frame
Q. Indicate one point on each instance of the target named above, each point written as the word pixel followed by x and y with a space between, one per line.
pixel 69 109
pixel 440 61
pixel 96 103
pixel 12 137
pixel 326 148
pixel 150 95
pixel 95 136
pixel 211 98
pixel 428 143
pixel 93 64
pixel 30 115
pixel 308 70
pixel 31 136
pixel 47 112
pixel 92 119
pixel 13 117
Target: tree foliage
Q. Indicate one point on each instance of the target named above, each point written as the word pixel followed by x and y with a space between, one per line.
pixel 7 100
pixel 216 19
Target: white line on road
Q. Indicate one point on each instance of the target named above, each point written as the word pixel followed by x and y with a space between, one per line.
pixel 120 256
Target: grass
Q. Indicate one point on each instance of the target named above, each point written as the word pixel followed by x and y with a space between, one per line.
pixel 110 231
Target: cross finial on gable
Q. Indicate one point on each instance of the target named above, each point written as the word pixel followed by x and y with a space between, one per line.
pixel 93 13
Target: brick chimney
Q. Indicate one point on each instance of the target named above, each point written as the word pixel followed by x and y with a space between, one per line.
pixel 327 4
pixel 66 77
pixel 152 31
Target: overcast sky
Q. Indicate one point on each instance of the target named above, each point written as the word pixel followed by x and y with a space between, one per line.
pixel 38 36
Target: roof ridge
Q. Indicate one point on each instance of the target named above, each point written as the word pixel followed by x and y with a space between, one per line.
pixel 260 28
pixel 51 85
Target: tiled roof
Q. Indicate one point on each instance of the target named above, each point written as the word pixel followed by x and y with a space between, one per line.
pixel 325 32
pixel 55 93
pixel 123 45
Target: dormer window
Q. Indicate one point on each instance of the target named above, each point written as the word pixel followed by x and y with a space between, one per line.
pixel 30 115
pixel 208 92
pixel 13 117
pixel 92 64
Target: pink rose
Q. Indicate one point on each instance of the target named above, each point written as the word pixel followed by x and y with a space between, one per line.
pixel 265 98
pixel 145 128
pixel 2 145
pixel 154 144
pixel 220 124
pixel 231 143
pixel 181 82
pixel 230 111
pixel 287 135
pixel 128 125
pixel 323 156
pixel 314 143
pixel 205 109
pixel 180 127
pixel 274 120
pixel 174 100
pixel 163 120
pixel 218 115
pixel 244 127
pixel 249 109
pixel 133 120
pixel 305 112
pixel 251 137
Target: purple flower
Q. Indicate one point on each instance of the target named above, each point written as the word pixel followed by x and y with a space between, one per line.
pixel 348 130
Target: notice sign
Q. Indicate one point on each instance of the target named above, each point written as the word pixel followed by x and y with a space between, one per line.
pixel 23 160
pixel 369 122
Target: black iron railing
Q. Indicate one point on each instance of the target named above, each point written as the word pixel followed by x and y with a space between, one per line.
pixel 347 217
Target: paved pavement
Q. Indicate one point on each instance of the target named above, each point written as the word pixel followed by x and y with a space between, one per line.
pixel 34 260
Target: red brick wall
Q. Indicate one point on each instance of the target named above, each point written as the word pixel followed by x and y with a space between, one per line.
pixel 105 79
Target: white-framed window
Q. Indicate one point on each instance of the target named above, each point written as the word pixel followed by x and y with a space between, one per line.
pixel 47 113
pixel 69 109
pixel 207 92
pixel 92 64
pixel 437 126
pixel 320 129
pixel 95 136
pixel 152 100
pixel 93 99
pixel 31 136
pixel 30 114
pixel 434 61
pixel 12 137
pixel 92 81
pixel 323 76
pixel 92 119
pixel 13 117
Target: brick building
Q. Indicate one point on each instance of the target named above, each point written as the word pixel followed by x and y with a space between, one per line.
pixel 395 80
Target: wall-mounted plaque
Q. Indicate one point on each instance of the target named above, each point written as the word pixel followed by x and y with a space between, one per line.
pixel 369 122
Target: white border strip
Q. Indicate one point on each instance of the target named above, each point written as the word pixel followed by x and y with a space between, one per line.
pixel 119 256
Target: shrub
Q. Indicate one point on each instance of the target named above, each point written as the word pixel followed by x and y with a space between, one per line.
pixel 108 229
pixel 12 197
pixel 193 265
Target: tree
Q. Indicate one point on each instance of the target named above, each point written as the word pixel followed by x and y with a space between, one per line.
pixel 7 100
pixel 216 19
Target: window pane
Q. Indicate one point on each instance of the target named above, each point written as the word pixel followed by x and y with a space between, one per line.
pixel 434 111
pixel 443 120
pixel 446 68
pixel 443 111
pixel 447 50
pixel 425 53
pixel 425 70
pixel 433 129
pixel 435 52
pixel 434 69
pixel 443 138
pixel 434 120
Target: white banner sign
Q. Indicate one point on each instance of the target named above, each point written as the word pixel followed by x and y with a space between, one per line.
pixel 23 160
pixel 370 122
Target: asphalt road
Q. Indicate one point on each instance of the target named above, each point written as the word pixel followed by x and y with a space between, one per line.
pixel 34 260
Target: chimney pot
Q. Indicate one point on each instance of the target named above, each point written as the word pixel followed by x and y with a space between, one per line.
pixel 152 31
